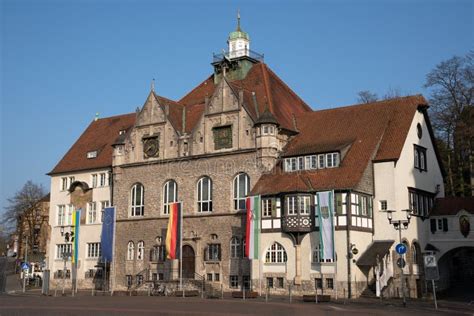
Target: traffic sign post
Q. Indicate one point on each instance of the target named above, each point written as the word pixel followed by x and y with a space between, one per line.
pixel 401 249
pixel 431 273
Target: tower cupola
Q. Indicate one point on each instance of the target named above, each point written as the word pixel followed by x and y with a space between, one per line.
pixel 239 41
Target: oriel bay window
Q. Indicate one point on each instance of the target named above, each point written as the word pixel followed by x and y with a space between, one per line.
pixel 298 204
pixel 268 207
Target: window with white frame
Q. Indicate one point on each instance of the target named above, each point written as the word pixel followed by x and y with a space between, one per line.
pixel 276 254
pixel 140 250
pixel 94 180
pixel 235 251
pixel 322 161
pixel 204 194
pixel 93 250
pixel 130 250
pixel 311 162
pixel 170 195
pixel 62 249
pixel 332 160
pixel 103 205
pixel 61 215
pixel 71 181
pixel 301 163
pixel 137 207
pixel 316 256
pixel 241 189
pixel 298 204
pixel 68 218
pixel 267 207
pixel 64 184
pixel 291 205
pixel 103 179
pixel 92 214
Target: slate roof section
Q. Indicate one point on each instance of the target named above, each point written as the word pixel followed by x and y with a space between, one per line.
pixel 452 205
pixel 369 131
pixel 99 135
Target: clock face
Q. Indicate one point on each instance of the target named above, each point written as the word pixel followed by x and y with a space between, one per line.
pixel 150 148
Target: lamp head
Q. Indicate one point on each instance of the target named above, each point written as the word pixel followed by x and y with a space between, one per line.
pixel 408 213
pixel 389 214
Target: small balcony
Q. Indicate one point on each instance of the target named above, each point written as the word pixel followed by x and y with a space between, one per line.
pixel 217 58
pixel 297 223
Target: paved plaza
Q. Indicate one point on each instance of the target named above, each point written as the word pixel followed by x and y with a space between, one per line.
pixel 35 304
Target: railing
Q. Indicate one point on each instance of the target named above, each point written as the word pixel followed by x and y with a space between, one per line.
pixel 297 223
pixel 236 53
pixel 385 276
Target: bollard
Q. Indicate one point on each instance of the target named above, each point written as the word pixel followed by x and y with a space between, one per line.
pixel 266 296
pixel 55 292
pixel 92 292
pixel 244 294
pixel 202 290
pixel 222 291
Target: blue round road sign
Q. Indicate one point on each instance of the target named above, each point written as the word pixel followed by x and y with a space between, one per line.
pixel 401 249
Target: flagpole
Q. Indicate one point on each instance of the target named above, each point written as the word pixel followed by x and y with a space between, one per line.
pixel 113 254
pixel 181 249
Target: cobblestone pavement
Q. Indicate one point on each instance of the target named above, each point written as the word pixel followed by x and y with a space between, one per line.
pixel 34 304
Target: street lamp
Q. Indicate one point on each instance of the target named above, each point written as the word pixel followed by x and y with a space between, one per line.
pixel 401 224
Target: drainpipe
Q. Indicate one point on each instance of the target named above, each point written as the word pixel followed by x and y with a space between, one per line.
pixel 348 242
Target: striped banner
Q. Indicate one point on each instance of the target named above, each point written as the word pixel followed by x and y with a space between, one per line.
pixel 173 233
pixel 326 224
pixel 76 222
pixel 252 237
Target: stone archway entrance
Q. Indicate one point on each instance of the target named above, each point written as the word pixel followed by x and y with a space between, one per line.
pixel 456 269
pixel 188 262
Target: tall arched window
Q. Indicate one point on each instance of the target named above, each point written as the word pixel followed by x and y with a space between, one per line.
pixel 140 250
pixel 235 251
pixel 130 250
pixel 414 253
pixel 241 189
pixel 170 195
pixel 137 203
pixel 276 254
pixel 204 194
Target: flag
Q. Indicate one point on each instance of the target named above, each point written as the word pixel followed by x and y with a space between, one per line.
pixel 107 235
pixel 173 233
pixel 252 237
pixel 76 222
pixel 326 224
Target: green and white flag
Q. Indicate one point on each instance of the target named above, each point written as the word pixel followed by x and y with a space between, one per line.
pixel 326 224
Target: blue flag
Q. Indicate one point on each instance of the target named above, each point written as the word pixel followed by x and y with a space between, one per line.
pixel 107 236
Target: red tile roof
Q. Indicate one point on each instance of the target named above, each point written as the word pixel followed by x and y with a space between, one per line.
pixel 452 205
pixel 372 131
pixel 99 135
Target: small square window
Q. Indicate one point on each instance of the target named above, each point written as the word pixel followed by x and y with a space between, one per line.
pixel 234 281
pixel 318 282
pixel 269 283
pixel 383 205
pixel 217 277
pixel 330 283
pixel 280 283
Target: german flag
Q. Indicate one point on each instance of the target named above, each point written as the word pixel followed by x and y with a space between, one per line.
pixel 173 234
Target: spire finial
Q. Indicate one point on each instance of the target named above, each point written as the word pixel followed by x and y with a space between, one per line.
pixel 238 20
pixel 153 85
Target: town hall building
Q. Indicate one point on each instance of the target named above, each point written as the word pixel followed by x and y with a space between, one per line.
pixel 243 132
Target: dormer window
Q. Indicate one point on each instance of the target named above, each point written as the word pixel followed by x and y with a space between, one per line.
pixel 311 162
pixel 92 154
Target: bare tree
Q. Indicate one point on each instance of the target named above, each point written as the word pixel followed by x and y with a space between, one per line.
pixel 452 90
pixel 25 212
pixel 366 96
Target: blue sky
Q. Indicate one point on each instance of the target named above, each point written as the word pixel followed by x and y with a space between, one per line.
pixel 63 61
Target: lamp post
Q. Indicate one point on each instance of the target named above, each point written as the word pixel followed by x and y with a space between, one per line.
pixel 401 224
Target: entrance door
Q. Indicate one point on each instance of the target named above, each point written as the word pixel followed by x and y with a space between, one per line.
pixel 188 262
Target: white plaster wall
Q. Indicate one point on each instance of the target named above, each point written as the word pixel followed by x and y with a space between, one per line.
pixel 393 179
pixel 88 232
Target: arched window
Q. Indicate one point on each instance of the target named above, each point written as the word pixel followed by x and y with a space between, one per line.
pixel 140 250
pixel 170 195
pixel 235 251
pixel 130 250
pixel 414 253
pixel 137 205
pixel 204 194
pixel 276 254
pixel 241 189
